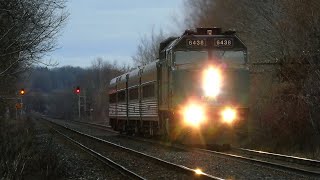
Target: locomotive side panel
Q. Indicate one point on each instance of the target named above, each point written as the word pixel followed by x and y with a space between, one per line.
pixel 164 87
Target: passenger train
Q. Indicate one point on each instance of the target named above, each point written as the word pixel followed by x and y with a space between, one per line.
pixel 199 83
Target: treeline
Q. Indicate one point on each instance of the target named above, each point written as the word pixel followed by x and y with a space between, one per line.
pixel 52 91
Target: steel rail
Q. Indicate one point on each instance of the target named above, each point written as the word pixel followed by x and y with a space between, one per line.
pixel 122 170
pixel 248 159
pixel 266 163
pixel 287 158
pixel 100 126
pixel 93 124
pixel 192 172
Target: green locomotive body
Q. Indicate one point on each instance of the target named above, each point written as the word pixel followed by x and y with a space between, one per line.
pixel 200 83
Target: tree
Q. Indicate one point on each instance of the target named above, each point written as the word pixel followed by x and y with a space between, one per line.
pixel 28 30
pixel 148 49
pixel 97 83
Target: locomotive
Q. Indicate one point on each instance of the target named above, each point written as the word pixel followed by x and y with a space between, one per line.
pixel 199 83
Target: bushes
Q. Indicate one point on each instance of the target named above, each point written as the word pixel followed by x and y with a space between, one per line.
pixel 16 142
pixel 22 156
pixel 284 124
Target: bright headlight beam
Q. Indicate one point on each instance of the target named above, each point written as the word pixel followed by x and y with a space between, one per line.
pixel 229 115
pixel 212 82
pixel 193 114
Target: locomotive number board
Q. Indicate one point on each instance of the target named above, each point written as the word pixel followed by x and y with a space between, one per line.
pixel 196 42
pixel 220 42
pixel 223 42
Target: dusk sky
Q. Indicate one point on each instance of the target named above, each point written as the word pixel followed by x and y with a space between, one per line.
pixel 111 29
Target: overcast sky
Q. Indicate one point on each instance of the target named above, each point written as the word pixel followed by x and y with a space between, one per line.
pixel 111 29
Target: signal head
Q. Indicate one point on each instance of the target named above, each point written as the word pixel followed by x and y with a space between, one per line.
pixel 78 90
pixel 22 92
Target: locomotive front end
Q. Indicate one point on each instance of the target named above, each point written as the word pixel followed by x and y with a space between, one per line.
pixel 200 83
pixel 210 82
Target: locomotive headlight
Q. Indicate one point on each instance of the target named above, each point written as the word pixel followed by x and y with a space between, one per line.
pixel 229 115
pixel 193 115
pixel 212 82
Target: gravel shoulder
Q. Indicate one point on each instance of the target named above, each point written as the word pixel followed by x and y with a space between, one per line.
pixel 77 163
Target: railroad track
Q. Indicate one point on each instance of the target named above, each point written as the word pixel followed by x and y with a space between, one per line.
pixel 122 170
pixel 287 163
pixel 185 172
pixel 280 157
pixel 93 124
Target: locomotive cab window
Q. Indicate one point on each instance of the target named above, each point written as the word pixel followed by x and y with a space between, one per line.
pixel 187 57
pixel 229 57
pixel 121 96
pixel 133 93
pixel 113 98
pixel 148 90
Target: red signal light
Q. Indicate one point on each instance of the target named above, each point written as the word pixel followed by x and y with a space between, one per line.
pixel 78 90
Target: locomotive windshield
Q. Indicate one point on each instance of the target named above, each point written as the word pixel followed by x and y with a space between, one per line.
pixel 188 82
pixel 186 57
pixel 229 57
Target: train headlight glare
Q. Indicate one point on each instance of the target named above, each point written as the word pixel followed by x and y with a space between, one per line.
pixel 194 114
pixel 212 82
pixel 229 115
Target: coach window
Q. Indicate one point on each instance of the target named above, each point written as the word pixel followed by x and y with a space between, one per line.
pixel 148 90
pixel 133 93
pixel 113 98
pixel 121 96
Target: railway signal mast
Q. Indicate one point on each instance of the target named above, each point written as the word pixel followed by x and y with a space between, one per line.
pixel 20 105
pixel 78 92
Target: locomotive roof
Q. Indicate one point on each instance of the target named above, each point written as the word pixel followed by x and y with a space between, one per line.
pixel 208 37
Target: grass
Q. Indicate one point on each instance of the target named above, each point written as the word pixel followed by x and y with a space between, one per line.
pixel 22 156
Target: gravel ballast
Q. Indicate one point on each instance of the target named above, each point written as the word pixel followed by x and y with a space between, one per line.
pixel 212 164
pixel 77 163
pixel 139 164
